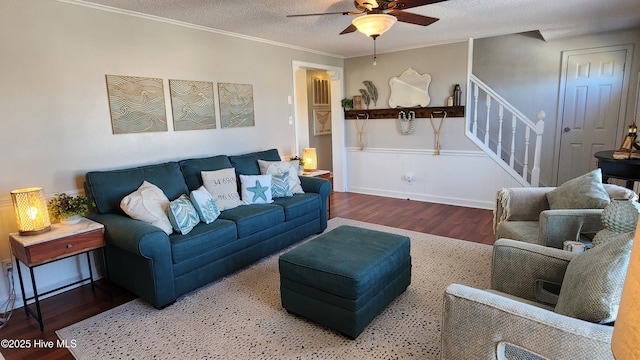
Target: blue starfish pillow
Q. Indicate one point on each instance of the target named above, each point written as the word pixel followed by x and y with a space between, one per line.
pixel 256 189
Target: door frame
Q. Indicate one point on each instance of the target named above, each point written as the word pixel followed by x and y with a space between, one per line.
pixel 622 114
pixel 338 148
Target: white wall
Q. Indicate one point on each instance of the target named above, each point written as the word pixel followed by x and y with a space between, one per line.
pixel 55 111
pixel 460 175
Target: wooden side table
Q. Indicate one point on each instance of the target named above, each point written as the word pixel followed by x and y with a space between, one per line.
pixel 60 243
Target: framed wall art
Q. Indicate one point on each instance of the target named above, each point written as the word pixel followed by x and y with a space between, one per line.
pixel 236 105
pixel 321 122
pixel 193 105
pixel 136 104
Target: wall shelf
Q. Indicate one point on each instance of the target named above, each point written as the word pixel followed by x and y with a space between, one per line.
pixel 421 112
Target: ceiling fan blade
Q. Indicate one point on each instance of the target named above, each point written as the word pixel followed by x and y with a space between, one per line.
pixel 327 13
pixel 351 28
pixel 408 4
pixel 413 18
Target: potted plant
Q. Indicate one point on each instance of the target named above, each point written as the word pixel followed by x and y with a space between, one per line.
pixel 347 103
pixel 68 209
pixel 300 163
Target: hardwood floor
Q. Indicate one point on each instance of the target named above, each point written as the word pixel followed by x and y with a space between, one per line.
pixel 80 303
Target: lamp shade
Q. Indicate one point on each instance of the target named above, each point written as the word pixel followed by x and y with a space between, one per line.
pixel 310 159
pixel 626 331
pixel 374 25
pixel 30 206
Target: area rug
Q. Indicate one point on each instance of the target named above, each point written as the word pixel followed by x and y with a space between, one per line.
pixel 240 316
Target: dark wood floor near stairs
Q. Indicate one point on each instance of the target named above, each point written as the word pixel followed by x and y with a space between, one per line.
pixel 77 304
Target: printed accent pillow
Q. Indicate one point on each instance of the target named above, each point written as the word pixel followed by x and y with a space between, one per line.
pixel 583 192
pixel 183 215
pixel 280 185
pixel 256 189
pixel 593 282
pixel 222 185
pixel 205 205
pixel 148 204
pixel 279 168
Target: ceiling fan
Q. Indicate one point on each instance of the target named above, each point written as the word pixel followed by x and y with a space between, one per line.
pixel 379 15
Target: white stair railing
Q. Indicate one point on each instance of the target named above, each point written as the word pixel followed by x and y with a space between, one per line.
pixel 517 153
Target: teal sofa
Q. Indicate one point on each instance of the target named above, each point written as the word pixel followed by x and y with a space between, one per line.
pixel 159 267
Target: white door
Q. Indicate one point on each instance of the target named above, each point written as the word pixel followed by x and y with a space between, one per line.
pixel 591 110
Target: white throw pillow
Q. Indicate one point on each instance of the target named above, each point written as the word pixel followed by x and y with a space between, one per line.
pixel 205 205
pixel 279 168
pixel 222 186
pixel 148 204
pixel 256 189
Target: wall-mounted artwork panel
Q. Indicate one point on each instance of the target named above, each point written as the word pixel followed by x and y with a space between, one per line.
pixel 236 105
pixel 136 104
pixel 193 105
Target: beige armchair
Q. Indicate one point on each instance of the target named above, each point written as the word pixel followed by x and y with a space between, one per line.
pixel 519 318
pixel 524 214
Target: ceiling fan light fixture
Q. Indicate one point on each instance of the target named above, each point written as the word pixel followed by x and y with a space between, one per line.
pixel 374 25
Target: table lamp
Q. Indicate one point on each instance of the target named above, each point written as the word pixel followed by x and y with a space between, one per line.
pixel 625 342
pixel 310 159
pixel 32 215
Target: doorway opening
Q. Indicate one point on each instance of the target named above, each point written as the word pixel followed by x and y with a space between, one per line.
pixel 318 116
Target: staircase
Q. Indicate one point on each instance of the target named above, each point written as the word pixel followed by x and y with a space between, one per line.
pixel 509 143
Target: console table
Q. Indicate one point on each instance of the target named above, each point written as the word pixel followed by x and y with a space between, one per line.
pixel 627 169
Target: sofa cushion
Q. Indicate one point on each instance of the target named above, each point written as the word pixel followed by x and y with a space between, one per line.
pixel 203 238
pixel 256 189
pixel 221 184
pixel 149 204
pixel 527 231
pixel 247 164
pixel 192 168
pixel 250 219
pixel 107 188
pixel 183 215
pixel 593 282
pixel 280 167
pixel 299 205
pixel 204 204
pixel 280 185
pixel 583 192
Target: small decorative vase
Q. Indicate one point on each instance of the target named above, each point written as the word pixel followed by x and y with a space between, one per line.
pixel 71 220
pixel 620 216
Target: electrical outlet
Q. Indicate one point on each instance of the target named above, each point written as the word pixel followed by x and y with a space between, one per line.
pixel 7 265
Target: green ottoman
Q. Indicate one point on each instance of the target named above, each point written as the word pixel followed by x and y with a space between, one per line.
pixel 343 279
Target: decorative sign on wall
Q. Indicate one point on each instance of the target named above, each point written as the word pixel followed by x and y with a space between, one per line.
pixel 321 122
pixel 236 105
pixel 193 105
pixel 136 104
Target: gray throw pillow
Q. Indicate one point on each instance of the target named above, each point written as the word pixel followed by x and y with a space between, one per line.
pixel 583 192
pixel 593 282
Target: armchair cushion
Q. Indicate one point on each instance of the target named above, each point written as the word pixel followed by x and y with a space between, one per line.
pixel 583 192
pixel 593 282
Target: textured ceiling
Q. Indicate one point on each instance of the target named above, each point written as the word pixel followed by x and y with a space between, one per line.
pixel 459 20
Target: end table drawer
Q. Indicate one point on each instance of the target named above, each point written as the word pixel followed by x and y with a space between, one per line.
pixel 60 248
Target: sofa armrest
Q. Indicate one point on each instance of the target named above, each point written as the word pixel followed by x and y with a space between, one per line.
pixel 316 185
pixel 520 204
pixel 480 325
pixel 139 258
pixel 558 226
pixel 522 269
pixel 134 236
